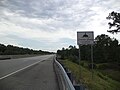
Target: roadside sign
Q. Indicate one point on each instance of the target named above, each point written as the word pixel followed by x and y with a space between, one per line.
pixel 85 38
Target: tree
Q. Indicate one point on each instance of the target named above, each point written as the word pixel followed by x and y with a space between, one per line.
pixel 106 49
pixel 116 22
pixel 114 51
pixel 101 48
pixel 14 50
pixel 2 48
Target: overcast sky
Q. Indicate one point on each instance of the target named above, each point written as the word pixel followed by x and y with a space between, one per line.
pixel 52 24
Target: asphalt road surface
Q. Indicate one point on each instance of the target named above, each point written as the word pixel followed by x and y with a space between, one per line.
pixel 33 73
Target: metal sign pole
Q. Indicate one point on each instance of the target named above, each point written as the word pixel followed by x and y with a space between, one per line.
pixel 79 61
pixel 92 58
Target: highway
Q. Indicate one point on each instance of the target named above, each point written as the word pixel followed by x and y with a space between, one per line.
pixel 33 73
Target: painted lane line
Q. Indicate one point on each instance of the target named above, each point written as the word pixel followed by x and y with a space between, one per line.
pixel 19 70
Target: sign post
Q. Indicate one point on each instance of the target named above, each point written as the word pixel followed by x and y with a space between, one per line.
pixel 85 38
pixel 79 62
pixel 92 58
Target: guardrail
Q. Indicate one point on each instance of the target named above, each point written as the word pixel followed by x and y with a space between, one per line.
pixel 63 79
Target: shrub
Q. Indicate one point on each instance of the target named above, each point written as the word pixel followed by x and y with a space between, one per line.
pixel 90 66
pixel 82 63
pixel 102 76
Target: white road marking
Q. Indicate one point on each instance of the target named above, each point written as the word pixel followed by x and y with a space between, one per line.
pixel 19 70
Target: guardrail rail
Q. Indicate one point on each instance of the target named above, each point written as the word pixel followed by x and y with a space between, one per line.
pixel 63 79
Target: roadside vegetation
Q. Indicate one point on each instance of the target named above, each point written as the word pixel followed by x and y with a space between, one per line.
pixel 106 63
pixel 15 50
pixel 99 81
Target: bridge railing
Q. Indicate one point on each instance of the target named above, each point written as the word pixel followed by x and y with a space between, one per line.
pixel 63 79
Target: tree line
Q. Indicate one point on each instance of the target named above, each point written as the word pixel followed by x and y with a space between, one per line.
pixel 15 50
pixel 105 49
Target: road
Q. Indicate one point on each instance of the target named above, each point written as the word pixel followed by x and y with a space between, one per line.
pixel 33 73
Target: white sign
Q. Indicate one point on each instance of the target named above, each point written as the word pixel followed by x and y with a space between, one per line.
pixel 85 38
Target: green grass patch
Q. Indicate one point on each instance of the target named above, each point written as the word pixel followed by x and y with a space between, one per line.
pixel 114 74
pixel 99 82
pixel 111 70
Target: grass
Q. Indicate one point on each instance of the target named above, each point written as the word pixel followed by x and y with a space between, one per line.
pixel 99 82
pixel 110 69
pixel 114 74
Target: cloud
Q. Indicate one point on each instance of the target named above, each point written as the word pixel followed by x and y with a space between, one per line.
pixel 52 23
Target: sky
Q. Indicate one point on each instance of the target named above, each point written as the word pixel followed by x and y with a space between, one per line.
pixel 52 24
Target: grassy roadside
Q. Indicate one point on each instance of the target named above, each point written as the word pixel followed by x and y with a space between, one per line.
pixel 112 70
pixel 99 82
